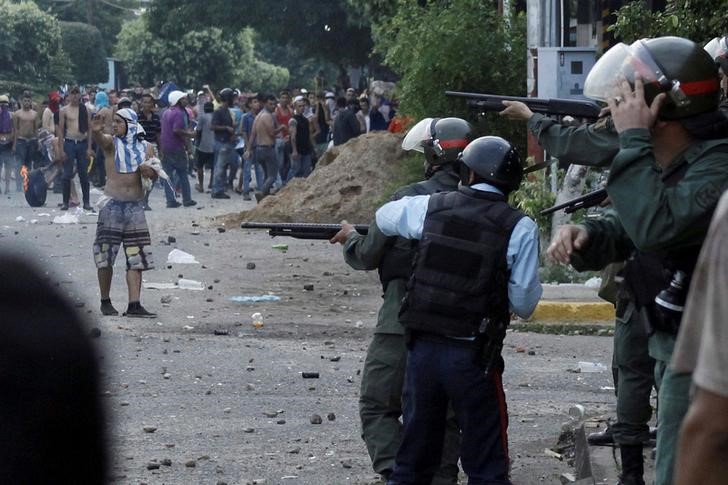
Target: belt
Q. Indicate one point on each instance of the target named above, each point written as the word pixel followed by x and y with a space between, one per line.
pixel 75 141
pixel 27 139
pixel 264 146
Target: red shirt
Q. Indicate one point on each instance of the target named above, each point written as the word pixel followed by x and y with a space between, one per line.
pixel 283 117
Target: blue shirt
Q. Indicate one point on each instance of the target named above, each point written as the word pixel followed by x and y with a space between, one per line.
pixel 406 217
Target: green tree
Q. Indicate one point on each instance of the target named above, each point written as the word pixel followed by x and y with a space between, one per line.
pixel 698 21
pixel 31 54
pixel 461 45
pixel 105 15
pixel 82 43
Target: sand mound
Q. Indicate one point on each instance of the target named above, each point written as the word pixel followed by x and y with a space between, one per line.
pixel 349 182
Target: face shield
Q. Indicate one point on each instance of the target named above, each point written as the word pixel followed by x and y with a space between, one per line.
pixel 623 61
pixel 418 134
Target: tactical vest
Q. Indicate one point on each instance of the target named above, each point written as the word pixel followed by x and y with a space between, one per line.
pixel 461 273
pixel 397 260
pixel 646 274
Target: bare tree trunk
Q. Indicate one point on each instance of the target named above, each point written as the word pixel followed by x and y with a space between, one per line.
pixel 572 187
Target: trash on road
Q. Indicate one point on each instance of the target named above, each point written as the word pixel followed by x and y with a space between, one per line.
pixel 67 218
pixel 590 367
pixel 254 298
pixel 185 284
pixel 19 219
pixel 280 247
pixel 180 257
pixel 257 320
pixel 310 375
pixel 159 286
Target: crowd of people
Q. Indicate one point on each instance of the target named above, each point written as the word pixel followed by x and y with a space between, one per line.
pixel 223 137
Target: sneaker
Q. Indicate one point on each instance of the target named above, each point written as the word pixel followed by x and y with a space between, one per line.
pixel 107 309
pixel 220 195
pixel 189 203
pixel 199 189
pixel 246 196
pixel 173 205
pixel 139 311
pixel 64 207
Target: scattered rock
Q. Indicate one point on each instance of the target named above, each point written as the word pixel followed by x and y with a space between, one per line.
pixel 248 430
pixel 166 299
pixel 553 454
pixel 171 239
pixel 531 352
pixel 331 417
pixel 191 463
pixel 166 462
pixel 270 414
pixel 124 403
pixel 226 410
pixel 281 421
pixel 249 387
pixel 310 375
pixel 346 463
pixel 335 358
pixel 221 331
pixel 308 287
pixel 153 466
pixel 520 350
pixel 295 451
pixel 316 419
pixel 221 230
pixel 95 333
pixel 149 429
pixel 250 266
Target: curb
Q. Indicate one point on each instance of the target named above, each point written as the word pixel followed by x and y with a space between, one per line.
pixel 573 311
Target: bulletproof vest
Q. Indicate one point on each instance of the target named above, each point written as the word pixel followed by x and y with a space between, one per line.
pixel 461 274
pixel 397 260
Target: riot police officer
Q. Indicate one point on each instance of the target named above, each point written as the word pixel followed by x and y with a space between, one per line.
pixel 476 262
pixel 664 184
pixel 380 400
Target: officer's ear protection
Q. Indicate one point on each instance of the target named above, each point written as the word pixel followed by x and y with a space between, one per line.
pixel 433 142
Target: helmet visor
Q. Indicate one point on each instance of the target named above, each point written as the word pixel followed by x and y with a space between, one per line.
pixel 418 134
pixel 623 61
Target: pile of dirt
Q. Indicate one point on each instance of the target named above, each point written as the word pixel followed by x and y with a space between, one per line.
pixel 349 182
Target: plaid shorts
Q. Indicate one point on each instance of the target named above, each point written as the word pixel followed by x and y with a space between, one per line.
pixel 122 222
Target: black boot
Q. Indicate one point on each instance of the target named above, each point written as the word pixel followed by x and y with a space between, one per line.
pixel 602 438
pixel 632 465
pixel 66 194
pixel 86 191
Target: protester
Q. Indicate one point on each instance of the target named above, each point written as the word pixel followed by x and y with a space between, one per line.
pixel 249 161
pixel 73 129
pixel 346 125
pixel 302 148
pixel 205 146
pixel 173 142
pixel 7 134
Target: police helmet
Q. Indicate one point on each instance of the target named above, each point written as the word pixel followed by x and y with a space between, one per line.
pixel 227 95
pixel 440 139
pixel 672 65
pixel 493 160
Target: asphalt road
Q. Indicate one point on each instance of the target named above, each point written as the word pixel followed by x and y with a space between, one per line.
pixel 228 400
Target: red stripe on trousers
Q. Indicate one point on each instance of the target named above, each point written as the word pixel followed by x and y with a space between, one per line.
pixel 503 411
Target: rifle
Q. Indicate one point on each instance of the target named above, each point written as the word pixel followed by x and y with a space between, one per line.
pixel 301 230
pixel 584 202
pixel 578 108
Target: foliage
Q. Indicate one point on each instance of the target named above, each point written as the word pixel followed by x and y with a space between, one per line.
pixel 82 43
pixel 107 16
pixel 699 21
pixel 31 53
pixel 323 29
pixel 197 57
pixel 460 45
pixel 550 272
pixel 532 197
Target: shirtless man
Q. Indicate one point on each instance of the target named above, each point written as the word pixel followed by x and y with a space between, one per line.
pixel 25 143
pixel 263 138
pixel 73 129
pixel 122 219
pixel 6 139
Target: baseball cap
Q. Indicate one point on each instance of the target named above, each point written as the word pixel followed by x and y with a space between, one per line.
pixel 329 94
pixel 4 99
pixel 174 97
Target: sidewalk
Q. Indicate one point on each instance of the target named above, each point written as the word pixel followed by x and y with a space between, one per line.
pixel 575 303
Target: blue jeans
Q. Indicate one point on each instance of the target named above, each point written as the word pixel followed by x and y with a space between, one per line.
pixel 259 176
pixel 441 371
pixel 225 155
pixel 266 157
pixel 25 152
pixel 282 161
pixel 300 167
pixel 175 164
pixel 75 156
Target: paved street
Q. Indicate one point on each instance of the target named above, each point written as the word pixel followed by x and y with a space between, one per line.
pixel 228 400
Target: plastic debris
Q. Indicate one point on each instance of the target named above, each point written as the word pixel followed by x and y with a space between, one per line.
pixel 159 286
pixel 280 247
pixel 19 219
pixel 180 257
pixel 254 298
pixel 67 218
pixel 185 284
pixel 590 367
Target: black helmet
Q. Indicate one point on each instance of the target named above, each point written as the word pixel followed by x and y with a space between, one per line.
pixel 495 161
pixel 440 139
pixel 227 95
pixel 673 65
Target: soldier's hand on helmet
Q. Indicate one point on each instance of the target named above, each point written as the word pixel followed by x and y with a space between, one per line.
pixel 629 108
pixel 516 110
pixel 343 234
pixel 568 238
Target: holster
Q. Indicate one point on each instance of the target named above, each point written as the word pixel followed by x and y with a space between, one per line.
pixel 490 344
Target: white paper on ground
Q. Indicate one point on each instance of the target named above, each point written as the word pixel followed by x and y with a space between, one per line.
pixel 180 257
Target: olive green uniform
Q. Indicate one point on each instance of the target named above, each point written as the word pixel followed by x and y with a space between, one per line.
pixel 380 401
pixel 658 217
pixel 596 144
